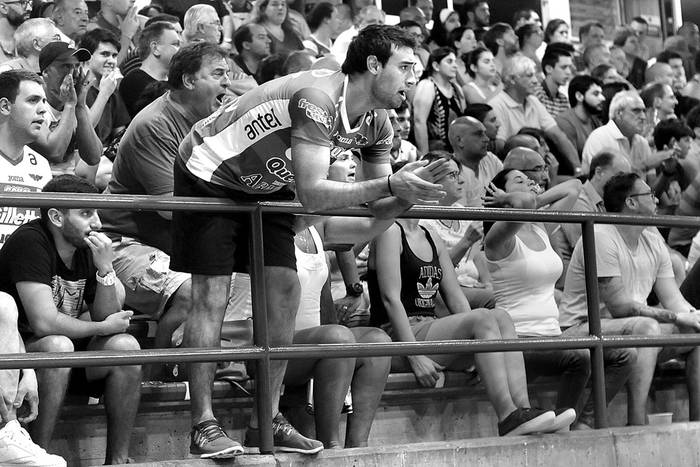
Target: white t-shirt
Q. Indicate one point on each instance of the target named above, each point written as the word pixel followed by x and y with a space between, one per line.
pixel 638 270
pixel 475 186
pixel 30 174
pixel 313 272
pixel 523 284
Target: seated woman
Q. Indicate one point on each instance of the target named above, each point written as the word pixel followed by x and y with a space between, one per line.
pixel 407 269
pixel 481 66
pixel 524 269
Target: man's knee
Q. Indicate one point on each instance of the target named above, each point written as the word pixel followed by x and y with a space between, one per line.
pixel 210 293
pixel 336 334
pixel 54 343
pixel 646 327
pixel 121 342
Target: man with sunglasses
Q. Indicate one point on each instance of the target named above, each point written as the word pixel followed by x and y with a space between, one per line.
pixel 631 262
pixel 12 14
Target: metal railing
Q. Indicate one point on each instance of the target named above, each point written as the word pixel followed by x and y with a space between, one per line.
pixel 262 353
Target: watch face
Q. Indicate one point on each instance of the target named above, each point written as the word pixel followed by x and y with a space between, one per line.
pixel 356 288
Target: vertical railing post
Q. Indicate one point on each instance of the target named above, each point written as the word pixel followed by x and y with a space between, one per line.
pixel 593 301
pixel 263 393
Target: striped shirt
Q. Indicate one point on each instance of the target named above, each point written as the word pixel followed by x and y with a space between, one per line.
pixel 555 104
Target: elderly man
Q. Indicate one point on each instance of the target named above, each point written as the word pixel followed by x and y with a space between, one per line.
pixel 632 261
pixel 30 37
pixel 623 133
pixel 517 107
pixel 71 17
pixel 12 15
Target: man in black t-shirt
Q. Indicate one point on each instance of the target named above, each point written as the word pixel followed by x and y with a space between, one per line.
pixel 54 267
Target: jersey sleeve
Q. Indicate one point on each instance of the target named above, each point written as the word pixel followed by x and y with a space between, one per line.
pixel 312 113
pixel 380 150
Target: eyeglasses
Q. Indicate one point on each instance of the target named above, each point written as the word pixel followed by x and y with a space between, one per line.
pixel 646 193
pixel 539 169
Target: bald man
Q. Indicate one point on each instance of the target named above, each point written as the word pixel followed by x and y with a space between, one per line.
pixel 529 162
pixel 659 73
pixel 521 141
pixel 469 142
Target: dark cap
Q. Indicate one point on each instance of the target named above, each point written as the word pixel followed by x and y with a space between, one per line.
pixel 60 51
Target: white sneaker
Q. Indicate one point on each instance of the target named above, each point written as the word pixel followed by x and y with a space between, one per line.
pixel 17 448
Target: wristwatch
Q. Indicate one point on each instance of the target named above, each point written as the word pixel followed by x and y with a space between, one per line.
pixel 108 279
pixel 354 290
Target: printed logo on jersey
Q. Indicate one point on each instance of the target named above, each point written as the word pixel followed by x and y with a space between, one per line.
pixel 278 167
pixel 316 113
pixel 15 178
pixel 427 285
pixel 68 295
pixel 261 123
pixel 36 177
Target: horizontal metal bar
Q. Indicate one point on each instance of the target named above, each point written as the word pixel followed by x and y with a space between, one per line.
pixel 178 203
pixel 181 355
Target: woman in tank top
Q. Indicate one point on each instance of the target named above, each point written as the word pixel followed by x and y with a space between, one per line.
pixel 437 101
pixel 408 268
pixel 481 67
pixel 524 269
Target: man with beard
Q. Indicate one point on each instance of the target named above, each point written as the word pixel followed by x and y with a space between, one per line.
pixel 586 100
pixel 52 267
pixel 501 40
pixel 12 14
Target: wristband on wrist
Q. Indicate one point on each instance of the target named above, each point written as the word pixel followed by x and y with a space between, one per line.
pixel 388 181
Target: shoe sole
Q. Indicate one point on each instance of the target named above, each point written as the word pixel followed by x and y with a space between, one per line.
pixel 298 450
pixel 562 422
pixel 223 454
pixel 537 424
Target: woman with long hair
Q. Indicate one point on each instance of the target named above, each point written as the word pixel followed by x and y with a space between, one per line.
pixel 557 30
pixel 273 15
pixel 481 66
pixel 437 101
pixel 444 22
pixel 408 268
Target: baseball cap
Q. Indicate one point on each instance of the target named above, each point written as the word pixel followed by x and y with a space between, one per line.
pixel 60 51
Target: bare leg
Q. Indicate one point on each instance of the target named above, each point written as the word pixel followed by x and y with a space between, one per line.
pixel 331 379
pixel 203 329
pixel 174 315
pixel 282 291
pixel 642 372
pixel 53 383
pixel 478 324
pixel 9 343
pixel 122 395
pixel 367 388
pixel 515 363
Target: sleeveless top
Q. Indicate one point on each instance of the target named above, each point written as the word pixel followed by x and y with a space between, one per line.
pixel 442 112
pixel 477 89
pixel 313 272
pixel 420 282
pixel 523 284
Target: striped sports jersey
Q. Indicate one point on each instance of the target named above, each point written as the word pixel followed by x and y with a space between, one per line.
pixel 247 144
pixel 29 174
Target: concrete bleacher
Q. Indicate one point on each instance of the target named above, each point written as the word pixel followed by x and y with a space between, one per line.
pixel 408 414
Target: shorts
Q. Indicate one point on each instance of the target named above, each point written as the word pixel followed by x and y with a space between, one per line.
pixel 144 271
pixel 420 325
pixel 625 327
pixel 214 244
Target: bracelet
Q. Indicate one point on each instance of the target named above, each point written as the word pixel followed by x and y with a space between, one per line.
pixel 388 181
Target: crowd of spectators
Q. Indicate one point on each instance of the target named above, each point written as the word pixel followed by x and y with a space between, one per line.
pixel 324 104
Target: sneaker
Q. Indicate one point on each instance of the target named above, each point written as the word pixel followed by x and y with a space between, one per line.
pixel 525 421
pixel 563 420
pixel 285 438
pixel 209 440
pixel 17 448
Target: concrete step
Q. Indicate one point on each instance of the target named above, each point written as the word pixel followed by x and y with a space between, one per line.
pixel 672 445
